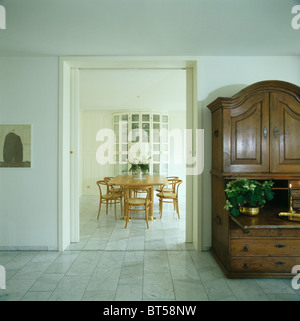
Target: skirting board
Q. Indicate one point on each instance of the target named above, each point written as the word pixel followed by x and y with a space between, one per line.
pixel 28 248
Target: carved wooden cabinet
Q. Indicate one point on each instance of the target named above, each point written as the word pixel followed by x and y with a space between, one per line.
pixel 256 134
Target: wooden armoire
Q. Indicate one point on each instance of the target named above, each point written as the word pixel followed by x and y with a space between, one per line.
pixel 256 134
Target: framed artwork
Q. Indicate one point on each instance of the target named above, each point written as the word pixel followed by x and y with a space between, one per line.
pixel 15 145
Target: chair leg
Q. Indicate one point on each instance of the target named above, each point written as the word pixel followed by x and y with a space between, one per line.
pixel 99 210
pixel 146 216
pixel 127 215
pixel 160 207
pixel 177 208
pixel 115 209
pixel 107 206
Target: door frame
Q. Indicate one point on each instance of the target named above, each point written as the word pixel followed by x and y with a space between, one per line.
pixel 68 144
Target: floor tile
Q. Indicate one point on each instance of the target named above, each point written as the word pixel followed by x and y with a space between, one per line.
pixel 111 263
pixel 36 296
pixel 47 282
pixel 189 290
pixel 129 292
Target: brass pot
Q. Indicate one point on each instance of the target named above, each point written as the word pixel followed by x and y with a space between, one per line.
pixel 252 211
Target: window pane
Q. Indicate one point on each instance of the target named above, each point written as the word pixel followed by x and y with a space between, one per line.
pixel 165 147
pixel 156 118
pixel 156 147
pixel 146 137
pixel 135 117
pixel 156 137
pixel 116 129
pixel 164 169
pixel 146 126
pixel 156 169
pixel 145 117
pixel 135 135
pixel 156 158
pixel 124 169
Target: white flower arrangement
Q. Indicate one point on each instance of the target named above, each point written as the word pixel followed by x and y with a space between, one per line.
pixel 141 162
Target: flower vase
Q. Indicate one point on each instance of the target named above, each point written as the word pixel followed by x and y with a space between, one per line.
pixel 139 174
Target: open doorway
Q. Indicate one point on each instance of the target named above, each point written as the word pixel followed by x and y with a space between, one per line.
pixel 151 99
pixel 69 144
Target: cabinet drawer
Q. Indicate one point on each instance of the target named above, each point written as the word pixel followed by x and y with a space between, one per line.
pixel 264 264
pixel 237 232
pixel 265 247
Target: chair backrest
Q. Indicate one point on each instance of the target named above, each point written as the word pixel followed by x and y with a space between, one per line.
pixel 99 183
pixel 145 188
pixel 109 188
pixel 176 186
pixel 171 178
pixel 172 181
pixel 107 179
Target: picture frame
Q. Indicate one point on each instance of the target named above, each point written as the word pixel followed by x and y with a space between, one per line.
pixel 15 145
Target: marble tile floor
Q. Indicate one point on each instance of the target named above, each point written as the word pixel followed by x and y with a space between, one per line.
pixel 111 263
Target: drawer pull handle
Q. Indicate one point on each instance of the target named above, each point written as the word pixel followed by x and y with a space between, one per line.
pixel 245 265
pixel 280 263
pixel 245 249
pixel 216 133
pixel 280 245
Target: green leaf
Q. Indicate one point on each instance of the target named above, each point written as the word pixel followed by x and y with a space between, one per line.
pixel 242 191
pixel 235 212
pixel 227 206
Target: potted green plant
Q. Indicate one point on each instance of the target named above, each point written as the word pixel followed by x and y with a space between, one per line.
pixel 247 196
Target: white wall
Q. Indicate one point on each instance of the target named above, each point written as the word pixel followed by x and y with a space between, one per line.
pixel 28 196
pixel 29 95
pixel 92 122
pixel 225 76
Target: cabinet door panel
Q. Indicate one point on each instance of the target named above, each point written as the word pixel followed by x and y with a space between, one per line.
pixel 220 220
pixel 285 133
pixel 246 136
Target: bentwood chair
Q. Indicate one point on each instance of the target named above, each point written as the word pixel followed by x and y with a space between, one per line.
pixel 117 188
pixel 169 186
pixel 169 197
pixel 134 203
pixel 111 196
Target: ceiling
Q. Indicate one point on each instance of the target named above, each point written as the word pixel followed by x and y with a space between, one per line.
pixel 149 27
pixel 146 28
pixel 132 89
